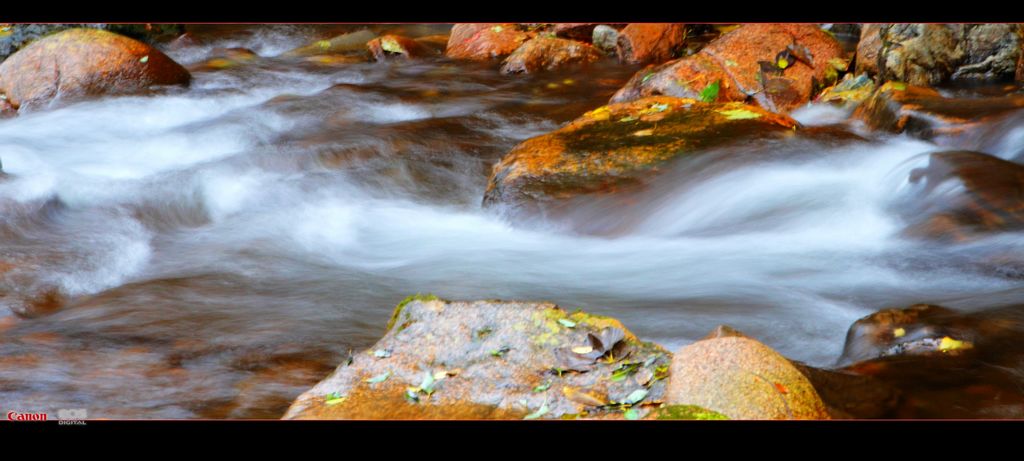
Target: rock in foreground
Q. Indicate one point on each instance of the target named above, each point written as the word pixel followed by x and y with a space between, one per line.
pixel 493 360
pixel 81 62
pixel 742 379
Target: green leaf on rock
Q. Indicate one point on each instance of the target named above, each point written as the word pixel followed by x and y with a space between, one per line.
pixel 635 397
pixel 543 410
pixel 427 386
pixel 412 394
pixel 500 352
pixel 566 322
pixel 632 414
pixel 334 398
pixel 379 378
pixel 710 92
pixel 144 59
pixel 542 387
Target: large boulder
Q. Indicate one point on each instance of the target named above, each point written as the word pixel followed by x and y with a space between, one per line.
pixel 547 53
pixel 15 36
pixel 80 62
pixel 621 144
pixel 650 43
pixel 930 54
pixel 923 112
pixel 485 41
pixel 962 195
pixel 780 66
pixel 741 379
pixel 493 360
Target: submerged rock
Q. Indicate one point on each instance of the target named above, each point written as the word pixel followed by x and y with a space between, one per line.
pixel 225 58
pixel 621 144
pixel 923 112
pixel 930 54
pixel 780 66
pixel 547 53
pixel 352 42
pixel 80 62
pixel 961 195
pixel 650 43
pixel 492 359
pixel 741 379
pixel 485 41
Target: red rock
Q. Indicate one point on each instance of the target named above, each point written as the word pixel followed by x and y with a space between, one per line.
pixel 485 41
pixel 79 62
pixel 735 58
pixel 546 53
pixel 646 43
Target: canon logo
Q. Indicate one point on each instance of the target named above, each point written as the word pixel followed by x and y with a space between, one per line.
pixel 15 416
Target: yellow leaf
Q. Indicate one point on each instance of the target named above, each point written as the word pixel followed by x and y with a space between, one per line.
pixel 739 114
pixel 899 332
pixel 601 113
pixel 950 344
pixel 783 63
pixel 647 132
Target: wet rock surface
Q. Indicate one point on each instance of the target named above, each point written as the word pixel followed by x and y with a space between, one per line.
pixel 961 195
pixel 778 66
pixel 547 53
pixel 620 144
pixel 493 360
pixel 485 41
pixel 650 43
pixel 81 62
pixel 924 112
pixel 930 54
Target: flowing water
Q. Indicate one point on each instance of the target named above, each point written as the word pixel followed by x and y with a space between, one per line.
pixel 218 250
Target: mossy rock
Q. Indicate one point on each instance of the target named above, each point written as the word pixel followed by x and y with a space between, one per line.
pixel 621 144
pixel 492 360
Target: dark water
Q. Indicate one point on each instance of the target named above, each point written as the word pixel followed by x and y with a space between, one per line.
pixel 220 249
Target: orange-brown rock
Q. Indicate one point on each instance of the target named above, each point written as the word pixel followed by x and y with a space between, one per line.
pixel 546 53
pixel 742 379
pixel 388 46
pixel 923 112
pixel 79 62
pixel 485 41
pixel 650 43
pixel 492 360
pixel 745 61
pixel 961 195
pixel 621 144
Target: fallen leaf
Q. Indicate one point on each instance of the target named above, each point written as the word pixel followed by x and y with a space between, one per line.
pixel 632 414
pixel 635 397
pixel 144 59
pixel 542 387
pixel 739 114
pixel 582 349
pixel 334 398
pixel 898 333
pixel 543 410
pixel 782 389
pixel 647 132
pixel 566 322
pixel 382 353
pixel 501 351
pixel 379 378
pixel 582 397
pixel 710 92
